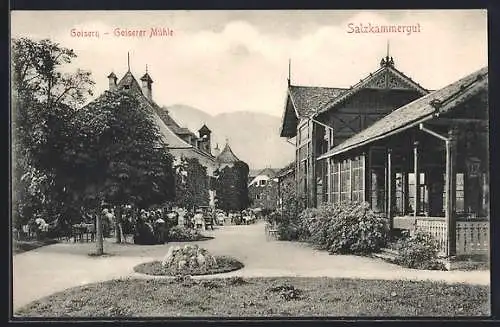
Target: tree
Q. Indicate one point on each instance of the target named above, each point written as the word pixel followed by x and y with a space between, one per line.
pixel 43 100
pixel 119 151
pixel 191 184
pixel 232 187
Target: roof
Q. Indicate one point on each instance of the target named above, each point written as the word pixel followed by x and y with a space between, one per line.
pixel 169 137
pixel 424 108
pixel 171 123
pixel 267 172
pixel 286 170
pixel 227 155
pixel 112 75
pixel 308 99
pixel 385 77
pixel 204 129
pixel 128 82
pixel 302 102
pixel 146 78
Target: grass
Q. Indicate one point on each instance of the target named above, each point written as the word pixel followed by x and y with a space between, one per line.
pixel 262 297
pixel 24 246
pixel 224 264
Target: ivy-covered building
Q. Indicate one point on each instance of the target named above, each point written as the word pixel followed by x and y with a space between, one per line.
pixel 180 141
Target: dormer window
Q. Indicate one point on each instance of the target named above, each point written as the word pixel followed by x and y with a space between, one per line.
pixel 126 87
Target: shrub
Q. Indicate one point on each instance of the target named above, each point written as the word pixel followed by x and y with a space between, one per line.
pixel 418 251
pixel 345 228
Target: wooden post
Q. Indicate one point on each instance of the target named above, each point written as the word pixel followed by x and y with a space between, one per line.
pixel 389 186
pixel 450 192
pixel 311 180
pixel 415 171
pixel 328 179
pixel 339 182
pixel 364 172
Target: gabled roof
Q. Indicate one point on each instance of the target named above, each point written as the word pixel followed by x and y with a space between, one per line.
pixel 387 76
pixel 302 102
pixel 420 110
pixel 227 155
pixel 308 99
pixel 128 82
pixel 286 170
pixel 267 172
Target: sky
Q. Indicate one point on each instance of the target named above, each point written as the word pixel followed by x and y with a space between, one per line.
pixel 226 61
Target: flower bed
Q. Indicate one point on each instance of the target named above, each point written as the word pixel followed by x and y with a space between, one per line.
pixel 189 260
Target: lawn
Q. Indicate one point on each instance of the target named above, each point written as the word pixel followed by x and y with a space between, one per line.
pixel 161 297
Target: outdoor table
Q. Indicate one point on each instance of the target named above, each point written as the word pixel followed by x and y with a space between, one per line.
pixel 79 230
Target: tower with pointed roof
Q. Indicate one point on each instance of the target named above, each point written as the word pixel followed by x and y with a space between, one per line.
pixel 205 142
pixel 226 157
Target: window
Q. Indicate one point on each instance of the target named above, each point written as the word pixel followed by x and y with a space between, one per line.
pixel 357 166
pixel 377 189
pixel 345 181
pixel 335 181
pixel 460 193
pixel 304 133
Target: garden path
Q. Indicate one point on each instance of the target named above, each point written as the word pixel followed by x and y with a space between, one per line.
pixel 53 268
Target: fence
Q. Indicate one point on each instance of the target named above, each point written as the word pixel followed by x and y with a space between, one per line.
pixel 472 237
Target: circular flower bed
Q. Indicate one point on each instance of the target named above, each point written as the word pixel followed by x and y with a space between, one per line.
pixel 189 260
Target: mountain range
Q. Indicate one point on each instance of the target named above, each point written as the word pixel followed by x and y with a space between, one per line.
pixel 253 137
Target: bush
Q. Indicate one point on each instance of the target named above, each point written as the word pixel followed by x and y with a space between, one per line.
pixel 345 228
pixel 419 251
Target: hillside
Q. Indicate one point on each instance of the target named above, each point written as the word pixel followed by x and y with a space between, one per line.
pixel 254 137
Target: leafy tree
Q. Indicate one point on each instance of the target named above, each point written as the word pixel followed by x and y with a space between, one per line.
pixel 43 100
pixel 119 151
pixel 191 184
pixel 232 187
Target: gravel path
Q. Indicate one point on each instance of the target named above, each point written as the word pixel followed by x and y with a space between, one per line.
pixel 54 268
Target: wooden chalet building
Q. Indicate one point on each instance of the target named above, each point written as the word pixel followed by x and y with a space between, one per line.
pixel 425 166
pixel 320 118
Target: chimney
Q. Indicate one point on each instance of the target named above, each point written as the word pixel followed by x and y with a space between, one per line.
pixel 146 85
pixel 112 81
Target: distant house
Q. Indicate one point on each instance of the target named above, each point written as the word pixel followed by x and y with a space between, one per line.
pixel 180 142
pixel 286 183
pixel 263 190
pixel 320 118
